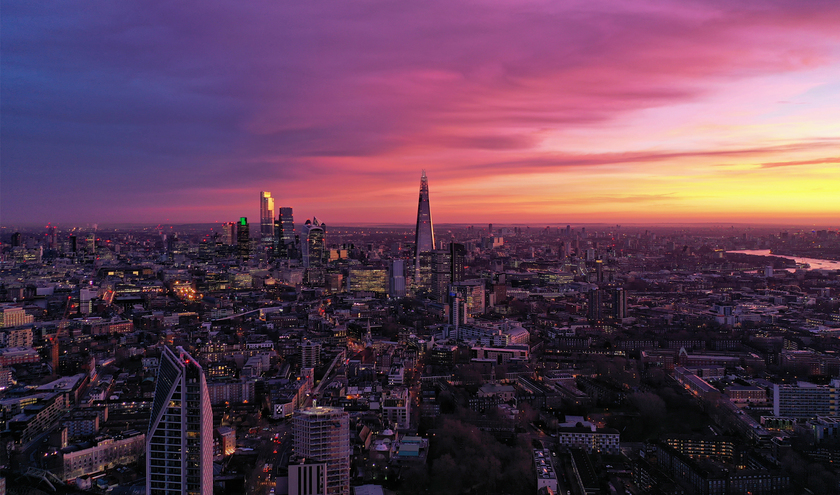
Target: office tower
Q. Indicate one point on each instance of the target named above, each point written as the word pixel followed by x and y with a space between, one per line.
pixel 424 233
pixel 74 244
pixel 243 239
pixel 310 354
pixel 229 233
pixel 457 258
pixel 396 282
pixel 313 243
pixel 284 233
pixel 266 219
pixel 179 445
pixel 441 274
pixel 17 239
pixel 322 434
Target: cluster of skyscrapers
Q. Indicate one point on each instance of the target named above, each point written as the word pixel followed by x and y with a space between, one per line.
pixel 277 238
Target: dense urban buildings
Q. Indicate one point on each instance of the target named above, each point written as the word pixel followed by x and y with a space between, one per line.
pixel 576 358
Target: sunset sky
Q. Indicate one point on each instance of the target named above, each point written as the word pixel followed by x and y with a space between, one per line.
pixel 519 111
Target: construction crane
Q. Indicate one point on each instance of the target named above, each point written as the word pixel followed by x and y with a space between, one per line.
pixel 54 339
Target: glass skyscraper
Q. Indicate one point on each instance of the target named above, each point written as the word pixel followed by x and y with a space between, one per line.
pixel 424 233
pixel 313 243
pixel 284 233
pixel 179 445
pixel 266 221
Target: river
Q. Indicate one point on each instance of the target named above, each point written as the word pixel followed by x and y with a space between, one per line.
pixel 816 264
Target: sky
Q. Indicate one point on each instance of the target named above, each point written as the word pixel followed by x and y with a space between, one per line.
pixel 522 111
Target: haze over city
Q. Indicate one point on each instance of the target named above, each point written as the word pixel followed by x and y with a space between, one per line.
pixel 520 112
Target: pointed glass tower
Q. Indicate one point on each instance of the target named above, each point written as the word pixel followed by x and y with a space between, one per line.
pixel 424 237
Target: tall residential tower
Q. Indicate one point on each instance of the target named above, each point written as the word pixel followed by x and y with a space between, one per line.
pixel 322 435
pixel 179 446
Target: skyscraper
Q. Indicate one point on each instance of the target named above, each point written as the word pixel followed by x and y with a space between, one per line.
pixel 284 233
pixel 322 434
pixel 396 282
pixel 313 243
pixel 457 255
pixel 424 234
pixel 243 239
pixel 266 219
pixel 179 446
pixel 441 274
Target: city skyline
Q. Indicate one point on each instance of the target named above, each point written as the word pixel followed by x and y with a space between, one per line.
pixel 588 112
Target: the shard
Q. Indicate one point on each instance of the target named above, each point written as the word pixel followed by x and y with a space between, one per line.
pixel 424 236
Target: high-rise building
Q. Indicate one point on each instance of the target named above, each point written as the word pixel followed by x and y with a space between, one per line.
pixel 313 243
pixel 266 219
pixel 243 239
pixel 594 304
pixel 396 276
pixel 441 274
pixel 179 445
pixel 457 259
pixel 229 233
pixel 322 435
pixel 618 303
pixel 284 233
pixel 424 233
pixel 609 303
